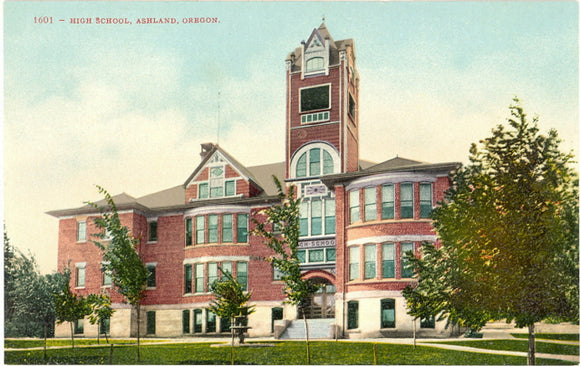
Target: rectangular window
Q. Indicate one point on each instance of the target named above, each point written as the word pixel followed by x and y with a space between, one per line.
pixel 426 199
pixel 212 273
pixel 301 254
pixel 210 322
pixel 316 217
pixel 185 321
pixel 199 278
pixel 352 315
pixel 276 274
pixel 227 228
pixel 227 267
pixel 242 274
pixel 187 278
pixel 230 188
pixel 79 326
pixel 81 231
pixel 428 323
pixel 225 325
pixel 303 218
pixel 314 162
pixel 315 255
pixel 353 263
pixel 212 229
pixel 406 200
pixel 203 190
pixel 188 231
pixel 242 228
pixel 388 202
pixel 197 321
pixel 406 270
pixel 329 217
pixel 388 313
pixel 370 261
pixel 388 260
pixel 106 278
pixel 353 200
pixel 150 322
pixel 105 326
pixel 351 106
pixel 314 98
pixel 151 275
pixel 370 204
pixel 152 231
pixel 200 229
pixel 80 276
pixel 330 254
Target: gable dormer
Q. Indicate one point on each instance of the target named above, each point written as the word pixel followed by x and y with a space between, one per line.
pixel 219 176
pixel 315 54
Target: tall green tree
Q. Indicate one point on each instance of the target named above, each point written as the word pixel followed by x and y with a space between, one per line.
pixel 101 312
pixel 281 231
pixel 121 257
pixel 69 306
pixel 510 225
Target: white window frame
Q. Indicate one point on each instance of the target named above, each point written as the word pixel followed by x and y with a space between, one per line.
pixel 305 149
pixel 312 87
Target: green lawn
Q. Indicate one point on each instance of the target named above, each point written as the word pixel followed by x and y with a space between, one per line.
pixel 522 346
pixel 288 353
pixel 30 343
pixel 557 336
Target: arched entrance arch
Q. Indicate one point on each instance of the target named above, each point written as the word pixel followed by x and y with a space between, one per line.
pixel 320 305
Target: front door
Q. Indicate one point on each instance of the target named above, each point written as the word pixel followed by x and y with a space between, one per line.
pixel 320 305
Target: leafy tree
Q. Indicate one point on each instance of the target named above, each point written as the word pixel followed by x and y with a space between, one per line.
pixel 509 225
pixel 101 311
pixel 231 302
pixel 283 241
pixel 121 259
pixel 69 306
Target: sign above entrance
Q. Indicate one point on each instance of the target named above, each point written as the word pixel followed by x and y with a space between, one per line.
pixel 323 243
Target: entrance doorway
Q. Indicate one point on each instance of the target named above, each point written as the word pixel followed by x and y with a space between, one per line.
pixel 320 305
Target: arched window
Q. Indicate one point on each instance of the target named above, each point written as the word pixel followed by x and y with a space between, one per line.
pixel 312 164
pixel 314 63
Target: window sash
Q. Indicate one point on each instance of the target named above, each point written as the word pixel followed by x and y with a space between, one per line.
pixel 150 322
pixel 210 322
pixel 203 190
pixel 186 314
pixel 80 281
pixel 81 231
pixel 199 285
pixel 314 163
pixel 370 195
pixel 301 166
pixel 212 273
pixel 407 200
pixel 151 276
pixel 406 272
pixel 316 217
pixel 227 228
pixel 242 228
pixel 425 199
pixel 197 321
pixel 187 278
pixel 327 162
pixel 242 274
pixel 212 229
pixel 353 263
pixel 152 231
pixel 388 313
pixel 352 315
pixel 370 261
pixel 227 267
pixel 200 229
pixel 388 261
pixel 388 196
pixel 353 199
pixel 188 231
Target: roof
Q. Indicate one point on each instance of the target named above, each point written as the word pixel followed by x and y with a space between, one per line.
pixel 396 164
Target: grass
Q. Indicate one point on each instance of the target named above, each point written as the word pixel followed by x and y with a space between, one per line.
pixel 31 343
pixel 521 346
pixel 556 336
pixel 282 353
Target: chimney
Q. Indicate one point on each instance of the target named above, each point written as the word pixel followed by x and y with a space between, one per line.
pixel 206 149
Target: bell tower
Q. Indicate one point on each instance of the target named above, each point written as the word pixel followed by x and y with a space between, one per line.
pixel 321 107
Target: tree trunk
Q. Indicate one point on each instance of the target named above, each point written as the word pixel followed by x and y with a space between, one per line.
pixel 307 338
pixel 72 335
pixel 531 345
pixel 99 331
pixel 45 336
pixel 138 331
pixel 415 333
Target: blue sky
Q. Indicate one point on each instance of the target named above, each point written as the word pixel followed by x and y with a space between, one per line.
pixel 126 106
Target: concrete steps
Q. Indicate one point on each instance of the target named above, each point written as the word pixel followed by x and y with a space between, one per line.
pixel 318 329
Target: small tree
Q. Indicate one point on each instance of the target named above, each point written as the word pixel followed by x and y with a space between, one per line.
pixel 121 259
pixel 284 217
pixel 101 310
pixel 69 306
pixel 231 301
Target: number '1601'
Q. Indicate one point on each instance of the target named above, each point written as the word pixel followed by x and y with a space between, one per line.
pixel 43 20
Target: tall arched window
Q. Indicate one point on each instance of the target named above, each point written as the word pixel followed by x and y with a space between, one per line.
pixel 314 162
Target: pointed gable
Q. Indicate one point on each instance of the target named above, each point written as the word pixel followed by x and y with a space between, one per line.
pixel 219 175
